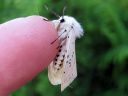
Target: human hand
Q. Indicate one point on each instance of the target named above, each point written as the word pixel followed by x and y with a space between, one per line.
pixel 25 50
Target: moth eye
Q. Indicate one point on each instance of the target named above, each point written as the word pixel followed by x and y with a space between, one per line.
pixel 62 20
pixel 64 72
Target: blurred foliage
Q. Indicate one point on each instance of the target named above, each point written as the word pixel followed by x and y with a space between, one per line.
pixel 102 54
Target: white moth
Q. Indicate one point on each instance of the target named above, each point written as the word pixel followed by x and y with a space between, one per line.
pixel 63 69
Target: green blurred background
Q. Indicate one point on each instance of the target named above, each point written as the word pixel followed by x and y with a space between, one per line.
pixel 102 54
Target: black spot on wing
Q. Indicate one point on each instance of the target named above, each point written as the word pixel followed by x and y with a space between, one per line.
pixel 58 68
pixel 59 50
pixel 62 60
pixel 56 59
pixel 61 65
pixel 57 55
pixel 65 51
pixel 72 27
pixel 60 46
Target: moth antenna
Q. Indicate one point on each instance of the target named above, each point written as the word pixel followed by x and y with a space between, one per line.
pixel 54 13
pixel 64 11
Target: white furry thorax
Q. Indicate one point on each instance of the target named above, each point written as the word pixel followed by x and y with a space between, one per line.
pixel 69 25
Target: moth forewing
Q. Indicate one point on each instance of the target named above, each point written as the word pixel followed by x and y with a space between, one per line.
pixel 55 69
pixel 69 69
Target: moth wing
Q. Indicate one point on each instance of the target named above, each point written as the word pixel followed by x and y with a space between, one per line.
pixel 55 69
pixel 69 69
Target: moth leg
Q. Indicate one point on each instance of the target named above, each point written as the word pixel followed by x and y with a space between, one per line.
pixel 62 41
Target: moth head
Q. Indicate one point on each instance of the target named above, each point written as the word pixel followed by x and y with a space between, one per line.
pixel 69 24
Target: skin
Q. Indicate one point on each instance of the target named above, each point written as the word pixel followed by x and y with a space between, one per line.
pixel 25 51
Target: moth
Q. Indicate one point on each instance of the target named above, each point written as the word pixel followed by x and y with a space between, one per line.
pixel 62 69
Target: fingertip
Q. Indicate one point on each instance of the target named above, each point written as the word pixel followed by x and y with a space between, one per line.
pixel 26 48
